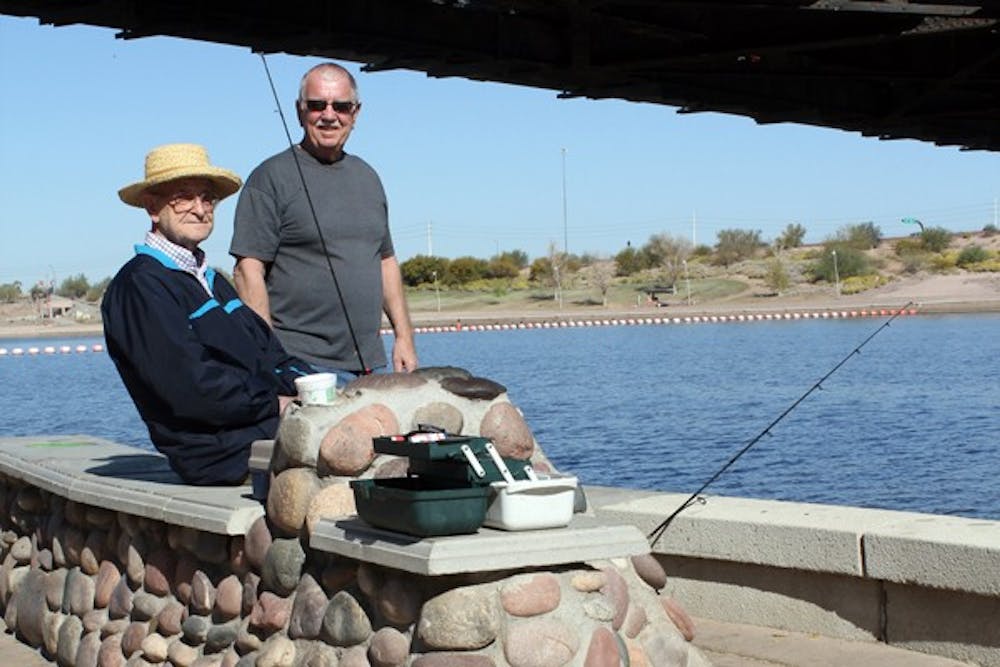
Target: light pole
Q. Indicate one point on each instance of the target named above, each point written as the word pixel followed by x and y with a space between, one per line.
pixel 687 280
pixel 437 292
pixel 836 272
pixel 565 226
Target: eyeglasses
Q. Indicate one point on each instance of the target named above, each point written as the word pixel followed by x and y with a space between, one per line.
pixel 184 201
pixel 345 108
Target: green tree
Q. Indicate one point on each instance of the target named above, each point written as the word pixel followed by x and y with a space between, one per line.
pixel 518 258
pixel 628 261
pixel 935 239
pixel 74 287
pixel 668 253
pixel 464 270
pixel 541 270
pixel 96 292
pixel 421 269
pixel 10 292
pixel 736 244
pixel 792 236
pixel 849 262
pixel 777 277
pixel 863 236
pixel 502 267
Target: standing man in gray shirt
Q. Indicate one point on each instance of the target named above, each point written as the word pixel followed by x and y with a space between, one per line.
pixel 283 263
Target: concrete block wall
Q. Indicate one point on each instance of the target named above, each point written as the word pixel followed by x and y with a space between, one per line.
pixel 917 581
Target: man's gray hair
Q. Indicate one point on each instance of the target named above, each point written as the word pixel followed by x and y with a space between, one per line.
pixel 329 71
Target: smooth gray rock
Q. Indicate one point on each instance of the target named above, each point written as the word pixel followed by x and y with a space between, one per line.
pixel 283 566
pixel 345 623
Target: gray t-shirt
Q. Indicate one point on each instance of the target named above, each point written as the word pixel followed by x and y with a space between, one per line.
pixel 275 225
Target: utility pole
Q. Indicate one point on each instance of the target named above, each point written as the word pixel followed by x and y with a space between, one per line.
pixel 694 229
pixel 565 225
pixel 430 243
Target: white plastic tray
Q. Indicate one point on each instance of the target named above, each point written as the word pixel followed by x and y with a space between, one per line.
pixel 531 504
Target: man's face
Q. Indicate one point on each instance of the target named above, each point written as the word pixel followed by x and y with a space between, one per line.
pixel 183 210
pixel 327 130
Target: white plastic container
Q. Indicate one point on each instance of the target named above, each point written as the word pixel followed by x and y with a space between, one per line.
pixel 317 389
pixel 531 504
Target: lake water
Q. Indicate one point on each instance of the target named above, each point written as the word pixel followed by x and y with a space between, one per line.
pixel 912 422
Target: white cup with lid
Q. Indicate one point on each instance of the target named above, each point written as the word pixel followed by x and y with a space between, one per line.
pixel 317 389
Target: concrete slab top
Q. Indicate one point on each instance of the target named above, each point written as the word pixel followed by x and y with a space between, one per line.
pixel 117 477
pixel 586 538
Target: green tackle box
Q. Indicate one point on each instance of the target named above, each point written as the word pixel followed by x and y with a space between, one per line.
pixel 441 456
pixel 421 507
pixel 460 471
pixel 442 448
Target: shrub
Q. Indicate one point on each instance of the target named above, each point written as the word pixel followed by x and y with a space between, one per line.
pixel 420 269
pixel 736 244
pixel 935 239
pixel 777 277
pixel 991 265
pixel 702 250
pixel 943 262
pixel 914 261
pixel 74 287
pixel 96 292
pixel 541 270
pixel 464 270
pixel 10 292
pixel 863 236
pixel 627 262
pixel 792 236
pixel 518 258
pixel 971 254
pixel 909 246
pixel 990 230
pixel 501 267
pixel 849 262
pixel 856 284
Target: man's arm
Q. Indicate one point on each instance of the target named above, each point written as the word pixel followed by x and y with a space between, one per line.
pixel 404 352
pixel 249 278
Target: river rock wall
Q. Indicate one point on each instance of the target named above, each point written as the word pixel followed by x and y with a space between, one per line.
pixel 94 587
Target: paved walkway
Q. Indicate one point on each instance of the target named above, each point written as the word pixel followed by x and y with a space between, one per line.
pixel 15 654
pixel 737 645
pixel 725 644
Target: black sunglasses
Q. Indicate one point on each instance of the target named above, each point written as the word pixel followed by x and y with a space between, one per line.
pixel 339 107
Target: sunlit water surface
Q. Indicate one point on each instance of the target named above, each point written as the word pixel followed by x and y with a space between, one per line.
pixel 912 422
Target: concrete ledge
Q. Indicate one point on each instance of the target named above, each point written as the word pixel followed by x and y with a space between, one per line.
pixel 940 551
pixel 121 478
pixel 583 540
pixel 937 551
pixel 916 581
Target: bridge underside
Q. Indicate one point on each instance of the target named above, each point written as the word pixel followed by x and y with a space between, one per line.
pixel 886 68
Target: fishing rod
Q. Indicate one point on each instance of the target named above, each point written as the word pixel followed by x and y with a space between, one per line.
pixel 312 210
pixel 655 535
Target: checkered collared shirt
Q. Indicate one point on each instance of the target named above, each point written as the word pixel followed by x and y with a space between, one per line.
pixel 189 262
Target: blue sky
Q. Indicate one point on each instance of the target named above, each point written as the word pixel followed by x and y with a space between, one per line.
pixel 477 164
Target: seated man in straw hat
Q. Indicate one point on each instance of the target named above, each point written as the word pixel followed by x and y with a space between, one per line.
pixel 205 372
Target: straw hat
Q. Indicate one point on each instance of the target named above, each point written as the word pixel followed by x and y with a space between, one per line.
pixel 174 161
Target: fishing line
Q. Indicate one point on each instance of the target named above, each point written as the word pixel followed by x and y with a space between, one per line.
pixel 657 532
pixel 312 209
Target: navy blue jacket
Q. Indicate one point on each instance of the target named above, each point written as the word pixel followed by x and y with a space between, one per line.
pixel 205 373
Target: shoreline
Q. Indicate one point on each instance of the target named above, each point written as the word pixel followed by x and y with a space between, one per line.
pixel 57 329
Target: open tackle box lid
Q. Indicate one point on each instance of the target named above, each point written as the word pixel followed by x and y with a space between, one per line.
pixel 429 445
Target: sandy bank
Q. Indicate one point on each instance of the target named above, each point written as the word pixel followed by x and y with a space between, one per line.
pixel 959 293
